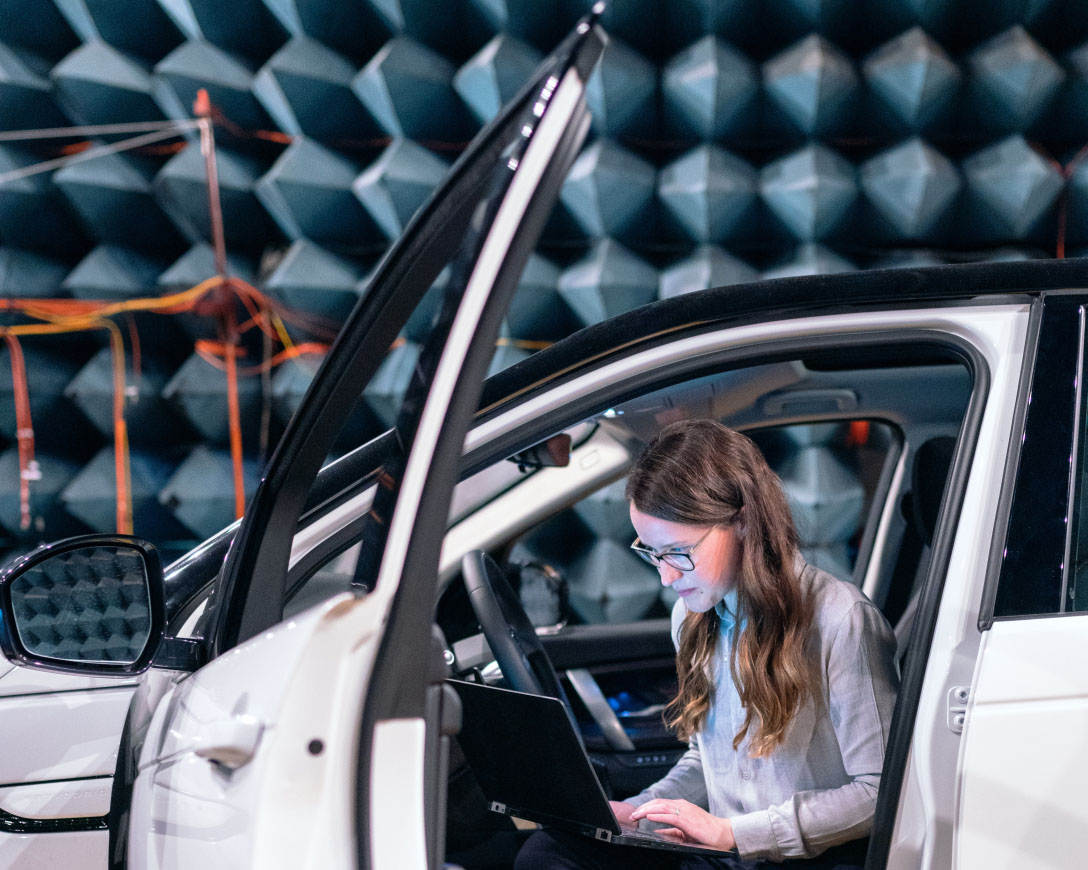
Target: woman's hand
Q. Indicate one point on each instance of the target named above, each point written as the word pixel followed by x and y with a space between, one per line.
pixel 623 810
pixel 688 821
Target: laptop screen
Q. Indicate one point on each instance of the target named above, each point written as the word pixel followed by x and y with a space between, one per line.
pixel 526 755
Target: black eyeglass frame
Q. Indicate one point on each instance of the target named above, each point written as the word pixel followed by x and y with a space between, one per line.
pixel 677 559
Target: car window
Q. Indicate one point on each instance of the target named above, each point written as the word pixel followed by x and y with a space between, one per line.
pixel 830 472
pixel 567 528
pixel 1038 557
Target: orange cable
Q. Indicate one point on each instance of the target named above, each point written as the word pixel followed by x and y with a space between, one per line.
pixel 1066 171
pixel 234 418
pixel 134 343
pixel 204 110
pixel 24 428
pixel 121 462
pixel 215 353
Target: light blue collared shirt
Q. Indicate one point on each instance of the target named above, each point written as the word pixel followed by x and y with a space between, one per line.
pixel 818 787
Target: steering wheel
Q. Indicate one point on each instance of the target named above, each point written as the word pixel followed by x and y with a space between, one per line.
pixel 507 628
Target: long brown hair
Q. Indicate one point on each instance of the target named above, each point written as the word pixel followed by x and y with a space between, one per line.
pixel 700 473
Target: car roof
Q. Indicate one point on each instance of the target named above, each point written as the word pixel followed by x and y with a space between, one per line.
pixel 783 298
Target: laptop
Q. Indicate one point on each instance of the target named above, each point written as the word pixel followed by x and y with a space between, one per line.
pixel 530 763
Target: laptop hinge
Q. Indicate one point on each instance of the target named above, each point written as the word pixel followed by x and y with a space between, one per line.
pixel 603 834
pixel 496 807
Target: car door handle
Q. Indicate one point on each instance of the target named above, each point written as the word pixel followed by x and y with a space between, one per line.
pixel 231 742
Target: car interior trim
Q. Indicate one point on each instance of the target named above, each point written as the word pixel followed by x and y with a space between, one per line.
pixel 891 480
pixel 679 359
pixel 590 694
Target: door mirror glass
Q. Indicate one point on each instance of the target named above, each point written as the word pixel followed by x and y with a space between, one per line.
pixel 87 605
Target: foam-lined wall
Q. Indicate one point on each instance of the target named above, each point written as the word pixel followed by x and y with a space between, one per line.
pixel 731 139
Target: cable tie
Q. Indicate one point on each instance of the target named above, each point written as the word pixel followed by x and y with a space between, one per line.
pixel 24 433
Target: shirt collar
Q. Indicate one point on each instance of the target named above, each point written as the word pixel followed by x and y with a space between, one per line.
pixel 727 608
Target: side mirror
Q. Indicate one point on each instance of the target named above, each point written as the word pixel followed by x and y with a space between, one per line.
pixel 544 594
pixel 91 605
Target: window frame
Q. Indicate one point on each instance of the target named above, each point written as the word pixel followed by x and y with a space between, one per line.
pixel 1015 588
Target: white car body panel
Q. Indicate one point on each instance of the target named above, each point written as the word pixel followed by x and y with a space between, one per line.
pixel 286 807
pixel 25 681
pixel 58 800
pixel 67 729
pixel 68 851
pixel 1025 757
pixel 398 819
pixel 64 736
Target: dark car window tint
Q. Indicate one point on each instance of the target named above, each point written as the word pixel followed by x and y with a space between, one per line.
pixel 1033 556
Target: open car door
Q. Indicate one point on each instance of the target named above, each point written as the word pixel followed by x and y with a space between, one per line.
pixel 318 742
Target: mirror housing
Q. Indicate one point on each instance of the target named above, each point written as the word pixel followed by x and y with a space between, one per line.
pixel 91 605
pixel 544 594
pixel 552 452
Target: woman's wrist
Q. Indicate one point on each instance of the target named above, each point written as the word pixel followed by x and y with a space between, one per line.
pixel 725 839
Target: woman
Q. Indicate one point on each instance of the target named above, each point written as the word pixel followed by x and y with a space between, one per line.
pixel 787 676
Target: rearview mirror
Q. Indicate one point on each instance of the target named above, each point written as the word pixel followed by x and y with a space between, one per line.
pixel 553 452
pixel 89 605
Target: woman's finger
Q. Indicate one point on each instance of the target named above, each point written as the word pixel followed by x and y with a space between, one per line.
pixel 668 818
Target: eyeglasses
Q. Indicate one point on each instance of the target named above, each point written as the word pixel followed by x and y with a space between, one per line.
pixel 679 559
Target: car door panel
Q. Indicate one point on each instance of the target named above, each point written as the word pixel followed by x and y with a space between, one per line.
pixel 1024 753
pixel 585 646
pixel 1025 756
pixel 24 681
pixel 197 795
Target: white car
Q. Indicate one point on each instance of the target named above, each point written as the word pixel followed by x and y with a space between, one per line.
pixel 288 707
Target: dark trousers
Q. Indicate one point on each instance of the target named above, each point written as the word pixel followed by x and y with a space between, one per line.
pixel 556 850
